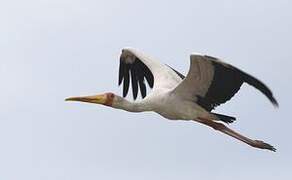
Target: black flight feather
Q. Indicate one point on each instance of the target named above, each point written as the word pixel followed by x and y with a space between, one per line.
pixel 126 81
pixel 134 81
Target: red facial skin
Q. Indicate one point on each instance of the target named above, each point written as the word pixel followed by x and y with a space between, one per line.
pixel 109 99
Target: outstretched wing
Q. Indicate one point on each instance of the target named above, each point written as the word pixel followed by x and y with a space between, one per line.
pixel 136 67
pixel 211 82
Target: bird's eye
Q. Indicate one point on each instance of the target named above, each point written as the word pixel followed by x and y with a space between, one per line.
pixel 112 95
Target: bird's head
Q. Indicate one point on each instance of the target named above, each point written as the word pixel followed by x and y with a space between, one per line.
pixel 107 99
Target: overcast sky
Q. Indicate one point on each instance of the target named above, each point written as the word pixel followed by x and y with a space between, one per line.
pixel 52 49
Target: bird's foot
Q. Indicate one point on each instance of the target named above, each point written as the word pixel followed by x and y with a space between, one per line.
pixel 263 145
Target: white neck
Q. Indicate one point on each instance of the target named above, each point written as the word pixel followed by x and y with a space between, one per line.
pixel 126 105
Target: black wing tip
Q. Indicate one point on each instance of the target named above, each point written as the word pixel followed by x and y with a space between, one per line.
pixel 260 86
pixel 270 96
pixel 136 72
pixel 274 102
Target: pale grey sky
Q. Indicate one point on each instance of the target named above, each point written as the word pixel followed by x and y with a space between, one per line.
pixel 52 49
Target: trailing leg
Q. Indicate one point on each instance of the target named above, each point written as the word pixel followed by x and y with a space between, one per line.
pixel 222 128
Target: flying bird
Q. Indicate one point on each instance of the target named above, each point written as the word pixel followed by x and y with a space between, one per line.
pixel 209 83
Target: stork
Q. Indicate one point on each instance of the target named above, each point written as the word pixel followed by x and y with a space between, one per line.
pixel 209 83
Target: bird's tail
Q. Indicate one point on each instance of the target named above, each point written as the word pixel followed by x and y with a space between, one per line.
pixel 224 118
